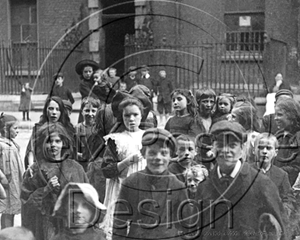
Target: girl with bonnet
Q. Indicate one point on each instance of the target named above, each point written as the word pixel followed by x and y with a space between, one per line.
pixel 52 170
pixel 79 207
pixel 11 170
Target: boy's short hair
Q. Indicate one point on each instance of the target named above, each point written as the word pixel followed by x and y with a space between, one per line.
pixel 16 233
pixel 58 75
pixel 184 138
pixel 92 101
pixel 204 93
pixel 266 135
pixel 155 135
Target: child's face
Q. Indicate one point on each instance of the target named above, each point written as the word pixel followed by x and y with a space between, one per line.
pixel 179 102
pixel 81 213
pixel 132 73
pixel 98 76
pixel 158 158
pixel 206 105
pixel 87 72
pixel 265 150
pixel 54 146
pixel 89 114
pixel 53 112
pixel 229 151
pixel 122 87
pixel 59 81
pixel 185 152
pixel 26 85
pixel 224 105
pixel 192 181
pixel 281 118
pixel 132 118
pixel 112 72
pixel 13 131
pixel 162 73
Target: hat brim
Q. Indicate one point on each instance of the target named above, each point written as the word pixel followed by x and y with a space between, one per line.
pixel 82 64
pixel 226 133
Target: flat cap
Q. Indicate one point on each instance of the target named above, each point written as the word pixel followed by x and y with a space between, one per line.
pixel 153 135
pixel 226 127
pixel 284 92
pixel 67 104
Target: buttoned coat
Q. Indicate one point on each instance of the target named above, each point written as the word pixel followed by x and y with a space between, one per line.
pixel 232 212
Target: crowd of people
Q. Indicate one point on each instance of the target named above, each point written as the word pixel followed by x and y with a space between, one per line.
pixel 214 170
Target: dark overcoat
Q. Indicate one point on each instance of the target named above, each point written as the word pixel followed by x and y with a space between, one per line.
pixel 232 212
pixel 153 202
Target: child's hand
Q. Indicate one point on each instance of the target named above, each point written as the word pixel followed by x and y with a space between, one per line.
pixel 136 158
pixel 53 184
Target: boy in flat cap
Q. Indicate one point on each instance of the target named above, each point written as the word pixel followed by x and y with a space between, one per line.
pixel 150 199
pixel 235 195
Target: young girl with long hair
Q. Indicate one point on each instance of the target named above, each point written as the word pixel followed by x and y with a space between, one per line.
pixel 184 122
pixel 54 111
pixel 224 105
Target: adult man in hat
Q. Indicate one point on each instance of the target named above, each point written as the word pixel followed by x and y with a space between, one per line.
pixel 235 195
pixel 131 79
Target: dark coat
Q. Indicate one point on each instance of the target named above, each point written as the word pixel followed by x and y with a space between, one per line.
pixel 269 124
pixel 249 195
pixel 281 180
pixel 25 100
pixel 62 92
pixel 186 125
pixel 130 83
pixel 143 186
pixel 175 168
pixel 284 85
pixel 150 83
pixel 38 201
pixel 165 88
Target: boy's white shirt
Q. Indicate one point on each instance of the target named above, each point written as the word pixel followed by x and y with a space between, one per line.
pixel 235 171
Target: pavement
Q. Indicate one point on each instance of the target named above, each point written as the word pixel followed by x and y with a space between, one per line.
pixel 9 104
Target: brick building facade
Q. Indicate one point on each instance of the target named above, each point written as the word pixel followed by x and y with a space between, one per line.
pixel 211 41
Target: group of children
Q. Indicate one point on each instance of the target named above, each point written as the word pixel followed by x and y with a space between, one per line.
pixel 154 183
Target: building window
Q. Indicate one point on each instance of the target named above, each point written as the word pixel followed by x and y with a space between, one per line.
pixel 245 21
pixel 23 21
pixel 24 54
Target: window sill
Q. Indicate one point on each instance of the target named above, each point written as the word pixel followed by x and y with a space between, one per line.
pixel 250 56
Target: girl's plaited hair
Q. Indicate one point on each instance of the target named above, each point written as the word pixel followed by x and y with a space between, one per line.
pixel 191 102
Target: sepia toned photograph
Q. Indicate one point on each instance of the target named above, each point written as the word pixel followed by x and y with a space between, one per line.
pixel 149 119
